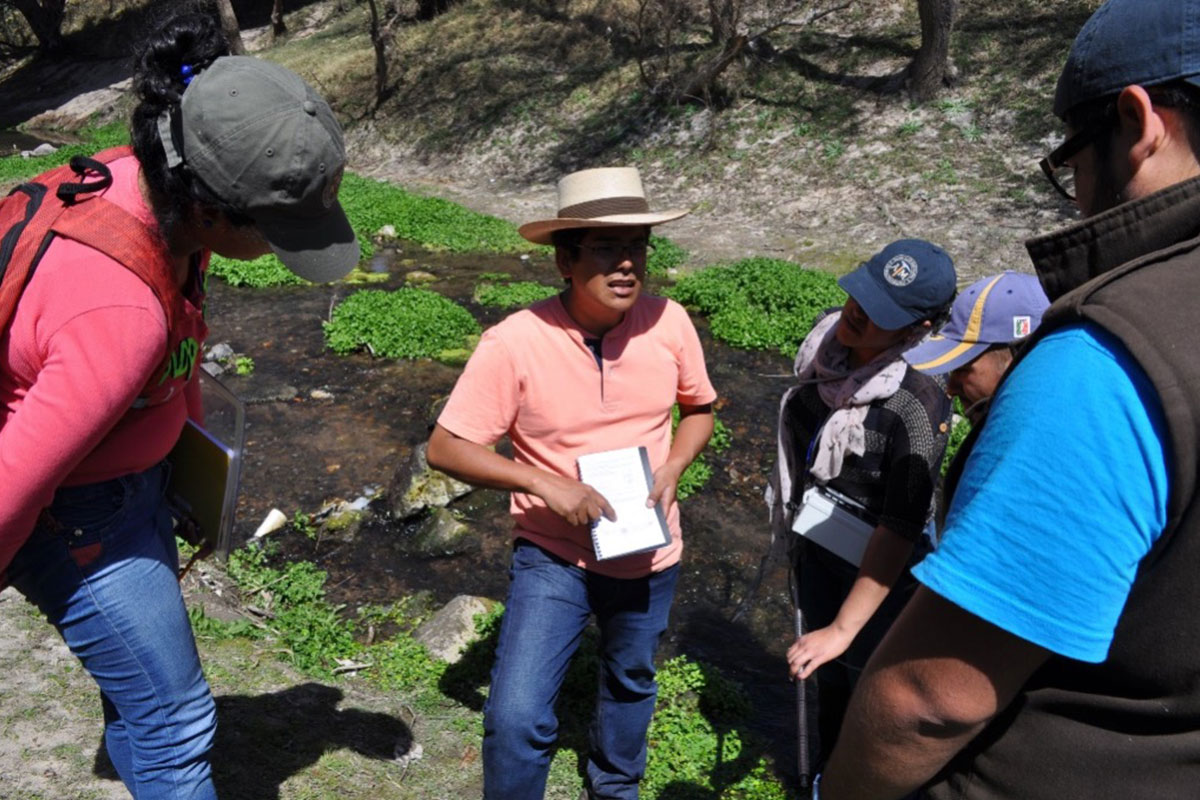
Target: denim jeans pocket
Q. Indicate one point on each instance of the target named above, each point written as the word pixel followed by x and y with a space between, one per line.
pixel 81 516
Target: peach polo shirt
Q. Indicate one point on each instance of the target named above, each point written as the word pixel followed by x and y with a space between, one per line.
pixel 533 377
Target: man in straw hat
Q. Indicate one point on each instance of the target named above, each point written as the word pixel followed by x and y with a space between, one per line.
pixel 595 369
pixel 1052 650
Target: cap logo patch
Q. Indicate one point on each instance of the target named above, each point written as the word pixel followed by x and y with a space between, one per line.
pixel 1022 327
pixel 900 270
pixel 329 196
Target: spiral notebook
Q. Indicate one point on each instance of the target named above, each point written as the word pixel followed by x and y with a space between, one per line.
pixel 624 478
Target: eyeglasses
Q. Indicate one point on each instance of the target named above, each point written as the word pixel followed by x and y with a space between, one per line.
pixel 1058 172
pixel 616 253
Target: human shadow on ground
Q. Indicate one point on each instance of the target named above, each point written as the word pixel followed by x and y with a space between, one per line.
pixel 263 740
pixel 768 731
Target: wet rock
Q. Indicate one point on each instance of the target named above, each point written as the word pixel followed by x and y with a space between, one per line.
pixel 345 523
pixel 455 357
pixel 341 520
pixel 417 486
pixel 449 631
pixel 420 276
pixel 270 393
pixel 219 352
pixel 440 535
pixel 43 149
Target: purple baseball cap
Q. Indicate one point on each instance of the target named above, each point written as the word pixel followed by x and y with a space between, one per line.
pixel 999 309
pixel 905 282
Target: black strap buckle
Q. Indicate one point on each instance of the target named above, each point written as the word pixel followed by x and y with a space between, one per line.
pixel 81 166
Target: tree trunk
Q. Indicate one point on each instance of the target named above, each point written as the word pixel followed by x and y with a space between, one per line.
pixel 277 26
pixel 704 80
pixel 930 67
pixel 45 18
pixel 723 19
pixel 229 25
pixel 379 41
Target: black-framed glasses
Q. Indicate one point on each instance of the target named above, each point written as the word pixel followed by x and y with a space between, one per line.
pixel 612 253
pixel 1058 172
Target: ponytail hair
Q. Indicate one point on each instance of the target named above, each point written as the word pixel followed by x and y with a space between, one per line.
pixel 183 44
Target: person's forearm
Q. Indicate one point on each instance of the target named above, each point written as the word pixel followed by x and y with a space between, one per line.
pixel 694 430
pixel 892 741
pixel 882 563
pixel 477 465
pixel 932 685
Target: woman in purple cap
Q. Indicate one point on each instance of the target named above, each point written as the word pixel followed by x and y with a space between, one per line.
pixel 861 438
pixel 98 365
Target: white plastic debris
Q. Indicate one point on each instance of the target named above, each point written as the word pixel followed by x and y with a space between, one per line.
pixel 274 520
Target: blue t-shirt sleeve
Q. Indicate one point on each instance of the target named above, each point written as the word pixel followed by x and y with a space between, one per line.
pixel 1064 493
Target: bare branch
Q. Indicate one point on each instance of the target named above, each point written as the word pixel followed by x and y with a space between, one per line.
pixel 808 19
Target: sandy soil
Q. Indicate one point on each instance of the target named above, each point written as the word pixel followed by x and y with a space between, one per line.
pixel 50 723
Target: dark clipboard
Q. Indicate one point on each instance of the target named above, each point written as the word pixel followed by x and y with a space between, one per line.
pixel 206 467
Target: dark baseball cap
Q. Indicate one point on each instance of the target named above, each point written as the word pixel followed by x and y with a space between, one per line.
pixel 1127 43
pixel 998 309
pixel 907 281
pixel 259 137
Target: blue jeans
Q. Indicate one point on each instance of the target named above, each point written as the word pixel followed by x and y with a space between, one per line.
pixel 548 607
pixel 101 565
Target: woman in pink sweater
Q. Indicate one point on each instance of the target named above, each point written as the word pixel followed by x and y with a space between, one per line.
pixel 231 155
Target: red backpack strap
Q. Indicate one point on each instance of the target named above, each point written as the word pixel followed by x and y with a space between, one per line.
pixel 63 202
pixel 26 215
pixel 116 233
pixel 29 213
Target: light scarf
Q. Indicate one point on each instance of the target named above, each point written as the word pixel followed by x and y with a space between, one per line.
pixel 846 390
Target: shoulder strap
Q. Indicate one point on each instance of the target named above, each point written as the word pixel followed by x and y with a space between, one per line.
pixel 62 202
pixel 113 231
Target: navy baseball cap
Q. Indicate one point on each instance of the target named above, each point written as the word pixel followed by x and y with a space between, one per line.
pixel 905 282
pixel 1131 42
pixel 999 309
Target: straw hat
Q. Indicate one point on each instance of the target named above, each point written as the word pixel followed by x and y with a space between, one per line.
pixel 599 198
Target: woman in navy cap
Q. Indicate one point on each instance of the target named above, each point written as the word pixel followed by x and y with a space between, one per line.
pixel 98 365
pixel 861 438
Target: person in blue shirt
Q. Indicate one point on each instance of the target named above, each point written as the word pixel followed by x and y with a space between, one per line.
pixel 1050 651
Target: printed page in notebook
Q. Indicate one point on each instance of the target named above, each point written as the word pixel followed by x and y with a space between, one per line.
pixel 624 478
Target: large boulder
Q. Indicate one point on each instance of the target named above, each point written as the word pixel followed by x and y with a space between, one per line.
pixel 416 486
pixel 449 631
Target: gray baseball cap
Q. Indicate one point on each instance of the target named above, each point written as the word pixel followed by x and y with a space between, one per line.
pixel 1127 43
pixel 267 144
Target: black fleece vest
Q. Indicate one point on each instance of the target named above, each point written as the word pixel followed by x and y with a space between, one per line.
pixel 1129 727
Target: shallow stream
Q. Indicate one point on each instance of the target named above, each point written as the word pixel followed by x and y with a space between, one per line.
pixel 302 452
